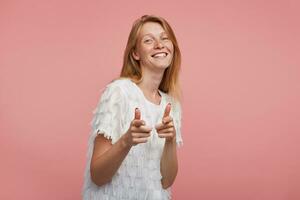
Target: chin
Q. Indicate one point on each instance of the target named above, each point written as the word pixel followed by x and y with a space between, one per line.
pixel 162 66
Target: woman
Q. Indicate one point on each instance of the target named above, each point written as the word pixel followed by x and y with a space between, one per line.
pixel 136 125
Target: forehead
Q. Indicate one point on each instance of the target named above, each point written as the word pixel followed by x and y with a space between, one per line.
pixel 151 28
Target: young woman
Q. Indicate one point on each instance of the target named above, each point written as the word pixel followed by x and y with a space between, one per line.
pixel 136 124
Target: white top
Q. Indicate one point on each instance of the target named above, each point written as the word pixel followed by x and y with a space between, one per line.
pixel 139 175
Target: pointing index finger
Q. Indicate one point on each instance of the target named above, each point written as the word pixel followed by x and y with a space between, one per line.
pixel 167 110
pixel 137 113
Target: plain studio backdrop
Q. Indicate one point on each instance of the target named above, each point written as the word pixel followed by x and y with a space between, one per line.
pixel 241 92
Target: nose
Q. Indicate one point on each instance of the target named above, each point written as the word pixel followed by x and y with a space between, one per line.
pixel 159 44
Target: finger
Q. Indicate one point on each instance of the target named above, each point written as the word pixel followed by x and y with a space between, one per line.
pixel 167 119
pixel 167 110
pixel 142 129
pixel 166 135
pixel 139 140
pixel 137 113
pixel 166 130
pixel 161 126
pixel 140 135
pixel 138 122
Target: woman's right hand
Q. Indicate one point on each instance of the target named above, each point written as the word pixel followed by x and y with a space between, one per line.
pixel 138 132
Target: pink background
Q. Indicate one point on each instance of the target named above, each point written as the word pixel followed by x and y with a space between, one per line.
pixel 241 87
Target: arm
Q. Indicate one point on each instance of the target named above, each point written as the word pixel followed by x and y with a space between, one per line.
pixel 107 157
pixel 168 163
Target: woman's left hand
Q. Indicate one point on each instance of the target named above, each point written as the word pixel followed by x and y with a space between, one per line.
pixel 166 128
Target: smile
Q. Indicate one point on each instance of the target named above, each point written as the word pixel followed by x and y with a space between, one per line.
pixel 160 55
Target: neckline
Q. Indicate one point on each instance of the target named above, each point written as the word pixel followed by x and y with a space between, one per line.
pixel 142 93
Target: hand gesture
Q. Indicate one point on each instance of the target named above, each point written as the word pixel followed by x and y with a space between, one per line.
pixel 166 128
pixel 138 132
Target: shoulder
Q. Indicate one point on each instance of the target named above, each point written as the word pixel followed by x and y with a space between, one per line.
pixel 128 89
pixel 122 84
pixel 116 86
pixel 112 97
pixel 113 92
pixel 121 89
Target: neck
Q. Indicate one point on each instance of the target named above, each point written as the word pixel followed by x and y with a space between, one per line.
pixel 150 83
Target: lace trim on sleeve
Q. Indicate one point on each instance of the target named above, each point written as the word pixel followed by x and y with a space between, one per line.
pixel 107 118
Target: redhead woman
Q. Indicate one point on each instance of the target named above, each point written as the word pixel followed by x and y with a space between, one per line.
pixel 136 124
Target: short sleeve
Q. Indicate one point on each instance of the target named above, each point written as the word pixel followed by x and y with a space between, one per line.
pixel 177 123
pixel 107 119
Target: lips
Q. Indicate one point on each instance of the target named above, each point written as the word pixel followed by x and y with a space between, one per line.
pixel 159 55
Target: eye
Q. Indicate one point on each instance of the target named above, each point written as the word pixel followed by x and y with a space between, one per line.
pixel 148 41
pixel 164 36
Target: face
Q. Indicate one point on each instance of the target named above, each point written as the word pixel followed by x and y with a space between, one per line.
pixel 154 49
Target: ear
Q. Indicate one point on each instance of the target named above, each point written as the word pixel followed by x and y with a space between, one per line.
pixel 135 55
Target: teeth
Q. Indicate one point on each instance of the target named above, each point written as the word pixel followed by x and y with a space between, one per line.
pixel 160 55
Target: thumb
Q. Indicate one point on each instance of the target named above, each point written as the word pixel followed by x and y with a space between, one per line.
pixel 137 113
pixel 167 110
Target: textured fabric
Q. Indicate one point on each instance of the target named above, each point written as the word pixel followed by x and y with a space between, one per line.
pixel 139 174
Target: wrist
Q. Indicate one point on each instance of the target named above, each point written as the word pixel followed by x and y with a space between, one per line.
pixel 125 141
pixel 171 141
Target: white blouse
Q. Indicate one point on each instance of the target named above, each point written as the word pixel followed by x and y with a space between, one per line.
pixel 139 175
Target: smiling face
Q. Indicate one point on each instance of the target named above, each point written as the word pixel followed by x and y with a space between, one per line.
pixel 154 49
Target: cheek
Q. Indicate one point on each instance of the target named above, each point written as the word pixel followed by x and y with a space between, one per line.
pixel 172 53
pixel 144 51
pixel 171 47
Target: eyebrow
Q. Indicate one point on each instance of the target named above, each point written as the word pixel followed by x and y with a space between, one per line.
pixel 149 34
